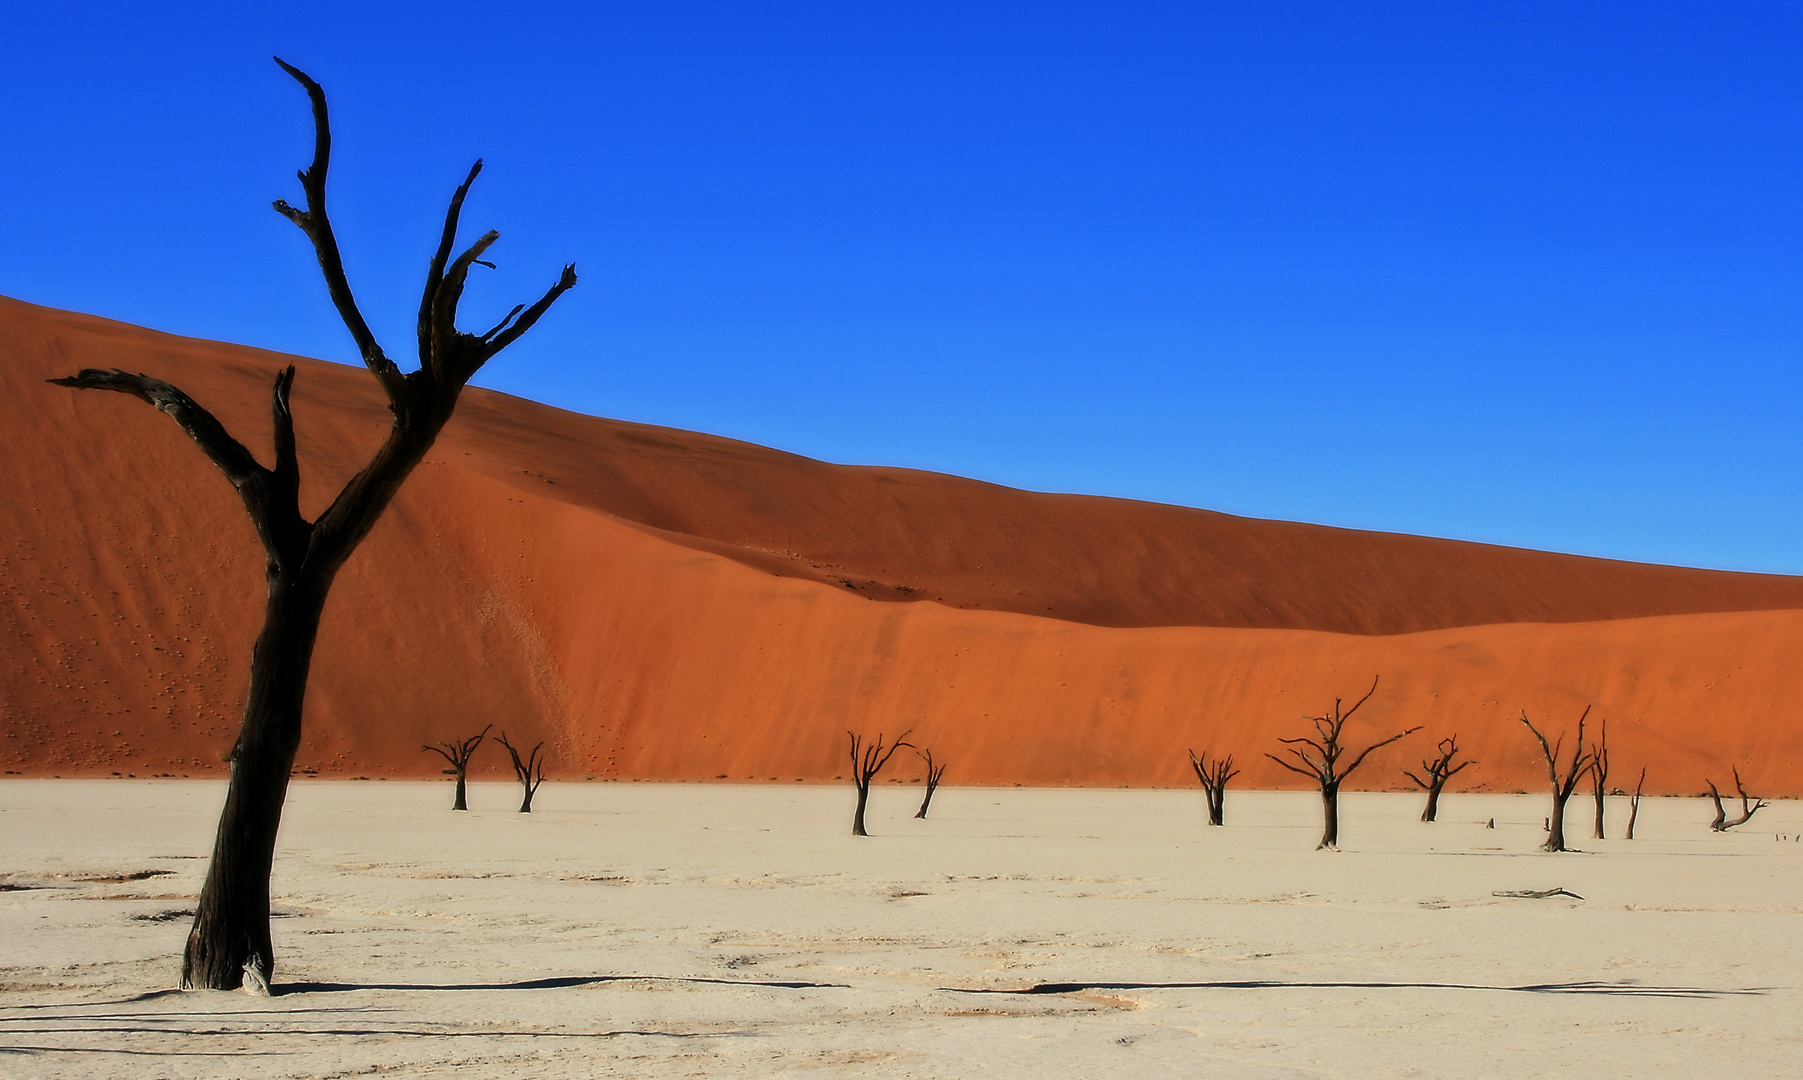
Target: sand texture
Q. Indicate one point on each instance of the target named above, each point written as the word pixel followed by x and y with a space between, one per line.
pixel 662 930
pixel 656 603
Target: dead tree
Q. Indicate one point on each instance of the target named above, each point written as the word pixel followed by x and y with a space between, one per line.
pixel 1324 765
pixel 934 772
pixel 1599 774
pixel 1748 807
pixel 1634 803
pixel 230 940
pixel 1435 773
pixel 1214 776
pixel 866 762
pixel 1562 788
pixel 530 771
pixel 458 754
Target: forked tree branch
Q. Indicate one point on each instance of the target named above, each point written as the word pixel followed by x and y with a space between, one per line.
pixel 318 226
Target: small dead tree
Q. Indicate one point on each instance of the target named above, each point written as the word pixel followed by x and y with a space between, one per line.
pixel 866 762
pixel 1634 803
pixel 229 943
pixel 458 754
pixel 1435 773
pixel 934 772
pixel 1324 765
pixel 1599 774
pixel 1562 787
pixel 1748 807
pixel 1214 776
pixel 530 771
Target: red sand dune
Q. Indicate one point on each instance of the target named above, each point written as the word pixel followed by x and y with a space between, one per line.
pixel 662 604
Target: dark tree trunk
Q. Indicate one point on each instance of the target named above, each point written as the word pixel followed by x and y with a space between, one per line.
pixel 857 817
pixel 1634 803
pixel 927 799
pixel 1555 825
pixel 460 803
pixel 1598 833
pixel 230 939
pixel 1330 815
pixel 1432 811
pixel 1217 805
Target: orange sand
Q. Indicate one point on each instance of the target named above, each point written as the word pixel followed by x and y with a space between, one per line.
pixel 662 604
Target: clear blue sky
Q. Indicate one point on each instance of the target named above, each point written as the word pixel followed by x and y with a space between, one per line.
pixel 1527 274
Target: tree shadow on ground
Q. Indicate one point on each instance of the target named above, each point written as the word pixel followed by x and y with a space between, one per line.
pixel 1617 989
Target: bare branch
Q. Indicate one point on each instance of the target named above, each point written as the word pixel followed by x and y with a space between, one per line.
pixel 1347 715
pixel 435 272
pixel 565 282
pixel 1347 771
pixel 237 463
pixel 1302 772
pixel 318 227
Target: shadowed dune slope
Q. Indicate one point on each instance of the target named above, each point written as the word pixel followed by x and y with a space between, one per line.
pixel 656 603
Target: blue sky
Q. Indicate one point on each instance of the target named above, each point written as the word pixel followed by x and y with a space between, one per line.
pixel 1526 274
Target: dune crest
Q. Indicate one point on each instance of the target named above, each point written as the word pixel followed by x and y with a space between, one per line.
pixel 663 604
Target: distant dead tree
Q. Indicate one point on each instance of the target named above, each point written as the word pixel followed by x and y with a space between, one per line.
pixel 1748 807
pixel 1634 804
pixel 1599 773
pixel 458 754
pixel 229 943
pixel 1562 787
pixel 1214 776
pixel 1435 773
pixel 1324 766
pixel 934 772
pixel 866 762
pixel 525 770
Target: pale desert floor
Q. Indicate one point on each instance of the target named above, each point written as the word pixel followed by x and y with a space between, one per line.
pixel 659 930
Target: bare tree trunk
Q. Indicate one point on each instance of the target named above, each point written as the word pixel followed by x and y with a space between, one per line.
pixel 857 817
pixel 1634 805
pixel 1330 814
pixel 1432 811
pixel 1599 775
pixel 1555 825
pixel 1217 805
pixel 229 942
pixel 934 774
pixel 460 802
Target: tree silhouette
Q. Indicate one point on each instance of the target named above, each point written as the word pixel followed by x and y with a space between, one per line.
pixel 458 754
pixel 1435 773
pixel 1324 765
pixel 1748 807
pixel 1599 774
pixel 230 940
pixel 524 771
pixel 1634 803
pixel 1214 776
pixel 866 762
pixel 1562 788
pixel 934 773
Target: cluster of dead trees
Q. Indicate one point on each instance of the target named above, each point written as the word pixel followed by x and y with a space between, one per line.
pixel 868 759
pixel 529 770
pixel 1323 758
